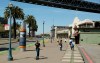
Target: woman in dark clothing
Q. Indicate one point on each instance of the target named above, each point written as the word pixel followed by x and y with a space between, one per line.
pixel 37 44
pixel 60 44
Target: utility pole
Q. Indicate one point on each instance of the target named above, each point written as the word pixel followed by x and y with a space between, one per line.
pixel 43 34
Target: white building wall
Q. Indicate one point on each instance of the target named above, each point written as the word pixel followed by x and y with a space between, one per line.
pixel 75 22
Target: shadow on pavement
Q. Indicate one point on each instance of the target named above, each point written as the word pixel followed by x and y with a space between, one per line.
pixel 43 57
pixel 23 58
pixel 3 49
pixel 7 43
pixel 33 50
pixel 30 50
pixel 63 50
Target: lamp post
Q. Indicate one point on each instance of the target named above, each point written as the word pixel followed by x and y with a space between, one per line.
pixel 43 34
pixel 10 58
pixel 20 24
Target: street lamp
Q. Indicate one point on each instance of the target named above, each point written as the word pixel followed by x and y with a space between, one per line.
pixel 10 58
pixel 20 24
pixel 43 34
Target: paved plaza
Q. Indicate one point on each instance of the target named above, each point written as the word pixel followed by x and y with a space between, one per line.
pixel 48 54
pixel 52 54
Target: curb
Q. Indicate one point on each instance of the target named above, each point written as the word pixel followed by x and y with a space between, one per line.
pixel 86 57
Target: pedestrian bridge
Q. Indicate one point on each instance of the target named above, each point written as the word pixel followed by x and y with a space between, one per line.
pixel 79 5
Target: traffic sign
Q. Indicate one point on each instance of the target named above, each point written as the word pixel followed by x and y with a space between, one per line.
pixel 6 27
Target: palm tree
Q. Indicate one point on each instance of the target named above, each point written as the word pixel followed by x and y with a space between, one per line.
pixel 31 21
pixel 34 28
pixel 16 13
pixel 17 28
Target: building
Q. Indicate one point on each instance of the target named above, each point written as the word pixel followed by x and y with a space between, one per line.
pixel 3 33
pixel 88 30
pixel 59 32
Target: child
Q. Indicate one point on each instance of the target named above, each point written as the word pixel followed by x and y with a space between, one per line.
pixel 65 40
pixel 71 44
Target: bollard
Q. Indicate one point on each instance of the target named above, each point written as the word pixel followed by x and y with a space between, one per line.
pixel 22 42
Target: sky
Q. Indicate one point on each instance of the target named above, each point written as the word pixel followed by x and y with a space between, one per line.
pixel 51 15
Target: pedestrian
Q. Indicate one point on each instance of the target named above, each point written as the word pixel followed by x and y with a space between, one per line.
pixel 71 43
pixel 37 44
pixel 65 40
pixel 60 44
pixel 57 40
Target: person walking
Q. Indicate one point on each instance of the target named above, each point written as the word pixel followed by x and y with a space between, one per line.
pixel 65 40
pixel 37 44
pixel 71 43
pixel 57 41
pixel 60 44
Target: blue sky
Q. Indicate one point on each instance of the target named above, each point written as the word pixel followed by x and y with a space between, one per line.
pixel 51 15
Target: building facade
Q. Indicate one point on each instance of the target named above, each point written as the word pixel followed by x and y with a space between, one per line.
pixel 88 31
pixel 59 32
pixel 3 33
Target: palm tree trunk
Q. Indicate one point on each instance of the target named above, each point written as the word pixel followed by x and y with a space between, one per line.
pixel 14 24
pixel 33 33
pixel 29 30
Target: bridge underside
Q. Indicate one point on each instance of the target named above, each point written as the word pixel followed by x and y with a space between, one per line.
pixel 79 5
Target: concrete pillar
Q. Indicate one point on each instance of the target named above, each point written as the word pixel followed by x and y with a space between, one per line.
pixel 22 42
pixel 55 33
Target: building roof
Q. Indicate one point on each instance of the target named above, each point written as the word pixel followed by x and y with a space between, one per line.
pixel 86 21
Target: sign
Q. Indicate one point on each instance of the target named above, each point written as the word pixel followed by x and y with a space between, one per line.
pixel 22 34
pixel 6 27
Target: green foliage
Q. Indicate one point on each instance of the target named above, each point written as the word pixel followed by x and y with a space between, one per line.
pixel 32 24
pixel 17 26
pixel 16 13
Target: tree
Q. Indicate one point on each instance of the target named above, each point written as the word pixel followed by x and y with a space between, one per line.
pixel 1 28
pixel 31 21
pixel 34 28
pixel 17 28
pixel 16 13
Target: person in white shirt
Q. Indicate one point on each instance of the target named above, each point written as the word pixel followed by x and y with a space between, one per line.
pixel 65 40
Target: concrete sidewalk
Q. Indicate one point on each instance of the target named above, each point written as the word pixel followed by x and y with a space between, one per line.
pixel 93 51
pixel 49 54
pixel 72 56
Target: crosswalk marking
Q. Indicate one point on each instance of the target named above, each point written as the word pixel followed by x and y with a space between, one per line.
pixel 77 58
pixel 78 61
pixel 67 57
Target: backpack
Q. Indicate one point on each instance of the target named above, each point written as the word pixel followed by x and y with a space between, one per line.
pixel 72 45
pixel 70 42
